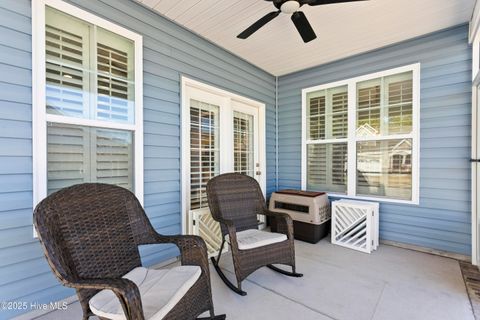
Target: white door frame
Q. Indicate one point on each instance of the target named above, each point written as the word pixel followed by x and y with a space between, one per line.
pixel 474 169
pixel 474 40
pixel 185 136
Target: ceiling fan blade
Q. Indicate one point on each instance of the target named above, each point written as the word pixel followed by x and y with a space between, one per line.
pixel 303 26
pixel 320 2
pixel 257 25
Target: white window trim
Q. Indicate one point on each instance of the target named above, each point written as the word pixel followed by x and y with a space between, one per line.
pixel 474 40
pixel 352 97
pixel 40 116
pixel 185 137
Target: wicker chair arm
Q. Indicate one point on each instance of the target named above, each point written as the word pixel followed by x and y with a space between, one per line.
pixel 193 250
pixel 284 222
pixel 126 291
pixel 281 215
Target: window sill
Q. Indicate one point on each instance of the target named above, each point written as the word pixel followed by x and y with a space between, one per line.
pixel 381 200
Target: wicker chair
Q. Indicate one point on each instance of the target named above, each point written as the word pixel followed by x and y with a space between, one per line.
pixel 235 200
pixel 90 234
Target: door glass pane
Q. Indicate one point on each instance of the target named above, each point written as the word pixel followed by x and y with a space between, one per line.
pixel 384 106
pixel 78 154
pixel 204 150
pixel 243 145
pixel 327 167
pixel 384 168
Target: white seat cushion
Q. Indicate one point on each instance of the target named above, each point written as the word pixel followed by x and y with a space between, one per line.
pixel 160 291
pixel 252 238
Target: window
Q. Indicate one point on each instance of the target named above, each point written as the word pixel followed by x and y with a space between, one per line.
pixel 88 123
pixel 360 136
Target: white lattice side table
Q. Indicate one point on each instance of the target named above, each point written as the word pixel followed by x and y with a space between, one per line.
pixel 201 224
pixel 355 224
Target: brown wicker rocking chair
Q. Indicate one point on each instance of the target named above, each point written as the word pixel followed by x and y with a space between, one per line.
pixel 90 234
pixel 235 200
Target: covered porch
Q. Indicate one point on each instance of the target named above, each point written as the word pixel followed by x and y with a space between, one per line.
pixel 390 284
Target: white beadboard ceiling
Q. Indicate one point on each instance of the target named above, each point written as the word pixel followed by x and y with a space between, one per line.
pixel 342 29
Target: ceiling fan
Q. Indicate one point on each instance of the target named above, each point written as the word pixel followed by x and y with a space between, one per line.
pixel 298 17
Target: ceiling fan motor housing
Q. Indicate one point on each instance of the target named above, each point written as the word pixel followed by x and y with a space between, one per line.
pixel 290 7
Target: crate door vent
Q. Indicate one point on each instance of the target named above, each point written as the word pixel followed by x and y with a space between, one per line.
pixel 293 207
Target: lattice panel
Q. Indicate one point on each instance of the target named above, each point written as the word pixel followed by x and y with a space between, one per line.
pixel 355 225
pixel 203 225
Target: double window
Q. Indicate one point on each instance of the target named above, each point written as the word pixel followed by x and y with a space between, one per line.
pixel 87 101
pixel 360 136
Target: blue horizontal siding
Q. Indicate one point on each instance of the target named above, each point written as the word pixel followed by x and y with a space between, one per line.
pixel 169 52
pixel 442 220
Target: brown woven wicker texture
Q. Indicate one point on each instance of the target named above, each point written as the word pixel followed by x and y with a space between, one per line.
pixel 90 234
pixel 235 200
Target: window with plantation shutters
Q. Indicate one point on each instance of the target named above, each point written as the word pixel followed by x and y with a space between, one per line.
pixel 327 123
pixel 377 156
pixel 384 122
pixel 91 127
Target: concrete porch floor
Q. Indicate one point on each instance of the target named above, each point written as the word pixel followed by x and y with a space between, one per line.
pixel 338 283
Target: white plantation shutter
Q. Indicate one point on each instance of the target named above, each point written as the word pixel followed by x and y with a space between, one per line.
pixel 327 120
pixel 112 161
pixel 339 165
pixel 384 168
pixel 316 118
pixel 68 156
pixel 316 165
pixel 399 94
pixel 204 150
pixel 67 65
pixel 384 106
pixel 243 147
pixel 340 114
pixel 368 108
pixel 78 154
pixel 115 80
pixel 327 167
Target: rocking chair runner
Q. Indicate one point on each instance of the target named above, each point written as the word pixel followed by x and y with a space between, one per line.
pixel 235 200
pixel 90 235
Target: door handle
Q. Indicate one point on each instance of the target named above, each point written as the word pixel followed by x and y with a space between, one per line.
pixel 474 160
pixel 258 173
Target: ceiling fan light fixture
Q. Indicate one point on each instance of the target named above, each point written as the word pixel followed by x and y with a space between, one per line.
pixel 290 7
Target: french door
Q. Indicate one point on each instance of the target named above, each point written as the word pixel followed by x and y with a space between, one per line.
pixel 221 134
